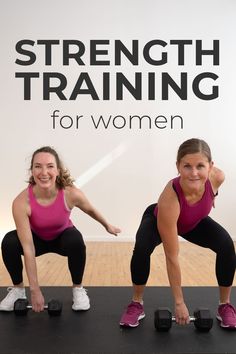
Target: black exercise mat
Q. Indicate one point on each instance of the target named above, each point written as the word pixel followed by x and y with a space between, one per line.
pixel 97 331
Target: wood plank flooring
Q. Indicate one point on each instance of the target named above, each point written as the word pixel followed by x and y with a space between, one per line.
pixel 108 264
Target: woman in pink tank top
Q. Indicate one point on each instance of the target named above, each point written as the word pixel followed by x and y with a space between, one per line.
pixel 183 209
pixel 42 216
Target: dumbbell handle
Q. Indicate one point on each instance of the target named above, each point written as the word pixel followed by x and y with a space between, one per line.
pixel 30 307
pixel 191 319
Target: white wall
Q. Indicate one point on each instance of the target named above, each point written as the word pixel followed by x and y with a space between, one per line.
pixel 138 162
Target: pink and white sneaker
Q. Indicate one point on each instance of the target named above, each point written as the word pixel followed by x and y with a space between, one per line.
pixel 227 316
pixel 132 315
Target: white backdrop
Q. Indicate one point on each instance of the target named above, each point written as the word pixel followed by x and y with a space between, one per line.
pixel 121 170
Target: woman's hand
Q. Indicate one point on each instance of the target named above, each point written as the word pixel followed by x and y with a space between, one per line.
pixel 113 229
pixel 37 300
pixel 181 314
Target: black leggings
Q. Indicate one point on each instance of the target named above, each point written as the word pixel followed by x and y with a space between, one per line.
pixel 207 233
pixel 69 243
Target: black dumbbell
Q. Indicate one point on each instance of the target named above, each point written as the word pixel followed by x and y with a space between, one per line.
pixel 21 307
pixel 202 319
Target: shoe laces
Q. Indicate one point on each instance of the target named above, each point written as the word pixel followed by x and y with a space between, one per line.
pixel 10 294
pixel 10 288
pixel 229 309
pixel 132 308
pixel 80 292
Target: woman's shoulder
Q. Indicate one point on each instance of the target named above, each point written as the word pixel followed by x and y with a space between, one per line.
pixel 168 204
pixel 72 194
pixel 71 190
pixel 22 196
pixel 216 177
pixel 168 194
pixel 21 202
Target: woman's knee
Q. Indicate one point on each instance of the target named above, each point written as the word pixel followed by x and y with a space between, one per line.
pixel 145 243
pixel 11 242
pixel 77 244
pixel 73 241
pixel 141 252
pixel 227 247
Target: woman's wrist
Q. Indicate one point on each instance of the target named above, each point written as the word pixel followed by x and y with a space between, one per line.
pixel 34 289
pixel 179 302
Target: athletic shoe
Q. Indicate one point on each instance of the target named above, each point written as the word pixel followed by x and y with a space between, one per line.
pixel 227 316
pixel 80 299
pixel 14 293
pixel 132 315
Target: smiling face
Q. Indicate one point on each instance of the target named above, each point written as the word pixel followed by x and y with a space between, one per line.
pixel 44 170
pixel 194 171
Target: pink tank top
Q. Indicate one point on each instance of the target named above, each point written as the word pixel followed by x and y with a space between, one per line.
pixel 191 214
pixel 48 221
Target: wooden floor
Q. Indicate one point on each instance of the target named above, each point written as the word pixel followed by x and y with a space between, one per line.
pixel 108 264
